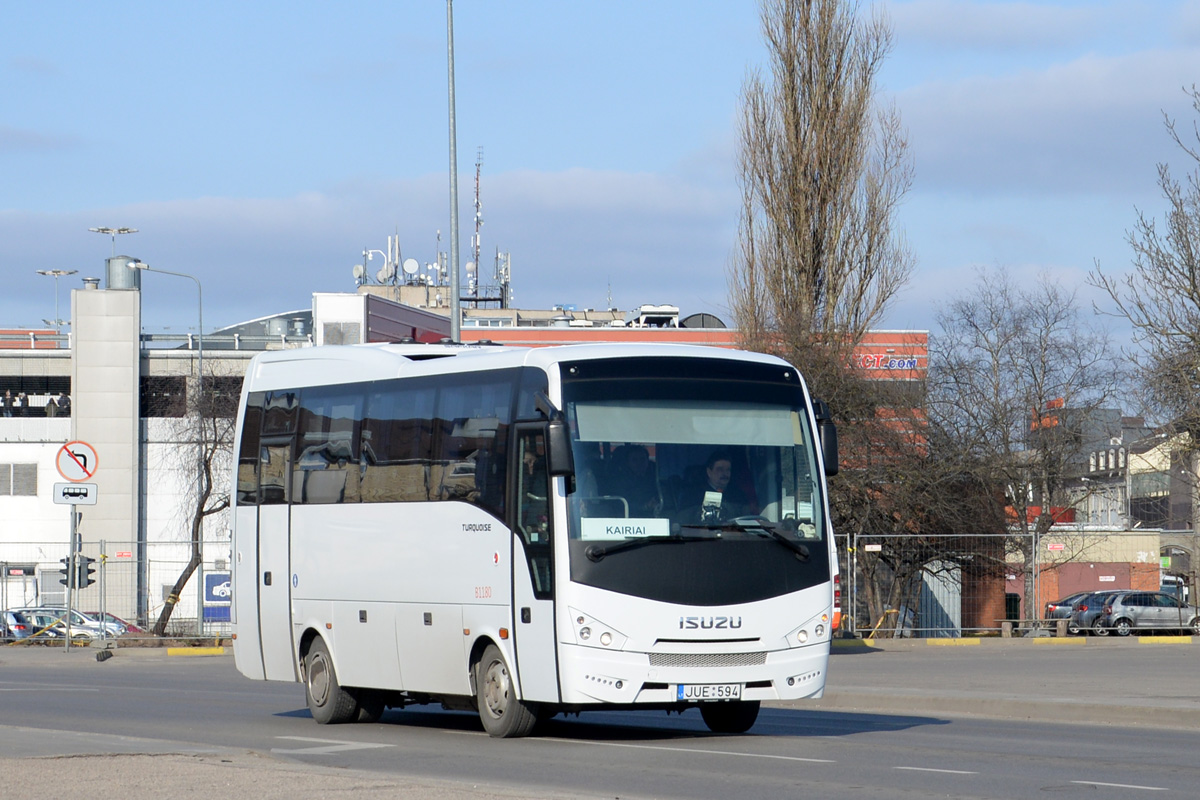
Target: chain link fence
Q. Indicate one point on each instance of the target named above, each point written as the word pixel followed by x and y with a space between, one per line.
pixel 952 586
pixel 124 580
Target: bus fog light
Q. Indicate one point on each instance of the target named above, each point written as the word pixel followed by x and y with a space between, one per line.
pixel 585 633
pixel 620 684
pixel 791 681
pixel 802 637
pixel 606 638
pixel 819 631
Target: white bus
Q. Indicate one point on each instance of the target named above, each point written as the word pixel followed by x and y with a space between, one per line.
pixel 525 532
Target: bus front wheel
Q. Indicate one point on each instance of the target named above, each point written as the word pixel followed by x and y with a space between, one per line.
pixel 504 716
pixel 731 717
pixel 329 703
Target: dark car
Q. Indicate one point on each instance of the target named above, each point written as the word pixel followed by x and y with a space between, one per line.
pixel 1088 616
pixel 1063 609
pixel 14 625
pixel 1126 612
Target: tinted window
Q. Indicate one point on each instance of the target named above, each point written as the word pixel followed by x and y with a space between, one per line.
pixel 397 441
pixel 248 453
pixel 470 437
pixel 328 431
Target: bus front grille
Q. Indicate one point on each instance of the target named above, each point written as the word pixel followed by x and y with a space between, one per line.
pixel 708 659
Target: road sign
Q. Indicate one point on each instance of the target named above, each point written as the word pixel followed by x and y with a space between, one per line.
pixel 75 494
pixel 76 461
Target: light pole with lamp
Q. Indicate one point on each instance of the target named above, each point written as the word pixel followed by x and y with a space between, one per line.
pixel 113 233
pixel 56 274
pixel 199 428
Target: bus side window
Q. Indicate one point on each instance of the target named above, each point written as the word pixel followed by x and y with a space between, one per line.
pixel 533 509
pixel 248 452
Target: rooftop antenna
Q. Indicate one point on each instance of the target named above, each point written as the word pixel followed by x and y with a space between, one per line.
pixel 478 209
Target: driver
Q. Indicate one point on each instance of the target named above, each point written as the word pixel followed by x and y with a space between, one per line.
pixel 714 499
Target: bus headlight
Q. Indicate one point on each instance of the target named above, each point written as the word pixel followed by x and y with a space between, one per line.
pixel 589 629
pixel 802 636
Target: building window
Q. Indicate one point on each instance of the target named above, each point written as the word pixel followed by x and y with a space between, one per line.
pixel 18 480
pixel 164 396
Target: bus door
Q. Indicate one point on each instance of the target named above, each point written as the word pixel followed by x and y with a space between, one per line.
pixel 533 567
pixel 274 560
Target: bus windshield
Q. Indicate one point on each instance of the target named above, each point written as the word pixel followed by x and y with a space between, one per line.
pixel 703 492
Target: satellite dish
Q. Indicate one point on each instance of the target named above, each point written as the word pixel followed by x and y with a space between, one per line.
pixel 470 266
pixel 359 270
pixel 388 271
pixel 410 266
pixel 381 276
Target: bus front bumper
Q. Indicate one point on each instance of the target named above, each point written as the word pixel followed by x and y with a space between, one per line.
pixel 592 675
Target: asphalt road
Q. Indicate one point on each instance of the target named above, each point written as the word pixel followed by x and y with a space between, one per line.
pixel 984 721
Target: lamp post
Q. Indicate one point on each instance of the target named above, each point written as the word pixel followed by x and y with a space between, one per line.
pixel 455 310
pixel 113 233
pixel 199 428
pixel 56 274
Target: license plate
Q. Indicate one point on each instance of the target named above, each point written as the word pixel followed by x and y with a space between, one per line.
pixel 709 691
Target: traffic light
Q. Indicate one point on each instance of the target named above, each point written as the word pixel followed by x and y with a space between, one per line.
pixel 84 571
pixel 65 569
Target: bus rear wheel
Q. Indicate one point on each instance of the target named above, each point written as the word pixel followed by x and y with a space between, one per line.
pixel 504 716
pixel 329 703
pixel 731 717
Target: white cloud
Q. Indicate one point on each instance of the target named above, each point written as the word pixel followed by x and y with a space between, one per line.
pixel 997 25
pixel 572 236
pixel 1093 124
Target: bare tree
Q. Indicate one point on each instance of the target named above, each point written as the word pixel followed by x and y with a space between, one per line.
pixel 205 439
pixel 1161 296
pixel 1016 377
pixel 822 171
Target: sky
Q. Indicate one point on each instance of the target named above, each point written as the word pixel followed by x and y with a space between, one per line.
pixel 262 147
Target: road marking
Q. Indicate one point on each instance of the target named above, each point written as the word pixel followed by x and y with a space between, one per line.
pixel 695 751
pixel 1124 786
pixel 931 769
pixel 331 746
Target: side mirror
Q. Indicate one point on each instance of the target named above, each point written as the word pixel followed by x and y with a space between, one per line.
pixel 560 461
pixel 827 433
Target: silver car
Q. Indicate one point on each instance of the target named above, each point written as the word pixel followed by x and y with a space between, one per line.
pixel 1126 612
pixel 83 627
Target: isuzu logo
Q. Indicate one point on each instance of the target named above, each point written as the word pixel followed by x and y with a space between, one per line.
pixel 709 623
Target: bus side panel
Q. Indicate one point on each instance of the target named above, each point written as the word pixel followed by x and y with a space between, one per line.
pixel 247 647
pixel 275 593
pixel 364 644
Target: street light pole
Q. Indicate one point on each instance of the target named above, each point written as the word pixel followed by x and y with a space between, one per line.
pixel 113 233
pixel 56 274
pixel 200 406
pixel 455 312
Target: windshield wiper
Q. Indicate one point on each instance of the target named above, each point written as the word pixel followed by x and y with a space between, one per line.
pixel 764 527
pixel 596 552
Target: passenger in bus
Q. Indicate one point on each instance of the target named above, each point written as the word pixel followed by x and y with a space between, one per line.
pixel 634 476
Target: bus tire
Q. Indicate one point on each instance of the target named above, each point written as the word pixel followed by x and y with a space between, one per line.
pixel 504 716
pixel 329 703
pixel 371 705
pixel 731 717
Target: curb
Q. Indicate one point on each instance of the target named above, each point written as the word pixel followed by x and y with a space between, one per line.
pixel 195 651
pixel 997 641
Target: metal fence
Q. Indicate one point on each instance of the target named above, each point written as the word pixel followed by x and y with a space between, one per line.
pixel 128 581
pixel 951 586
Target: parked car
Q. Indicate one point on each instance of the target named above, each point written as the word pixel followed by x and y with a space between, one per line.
pixel 125 627
pixel 1126 612
pixel 83 627
pixel 1063 609
pixel 1088 616
pixel 15 625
